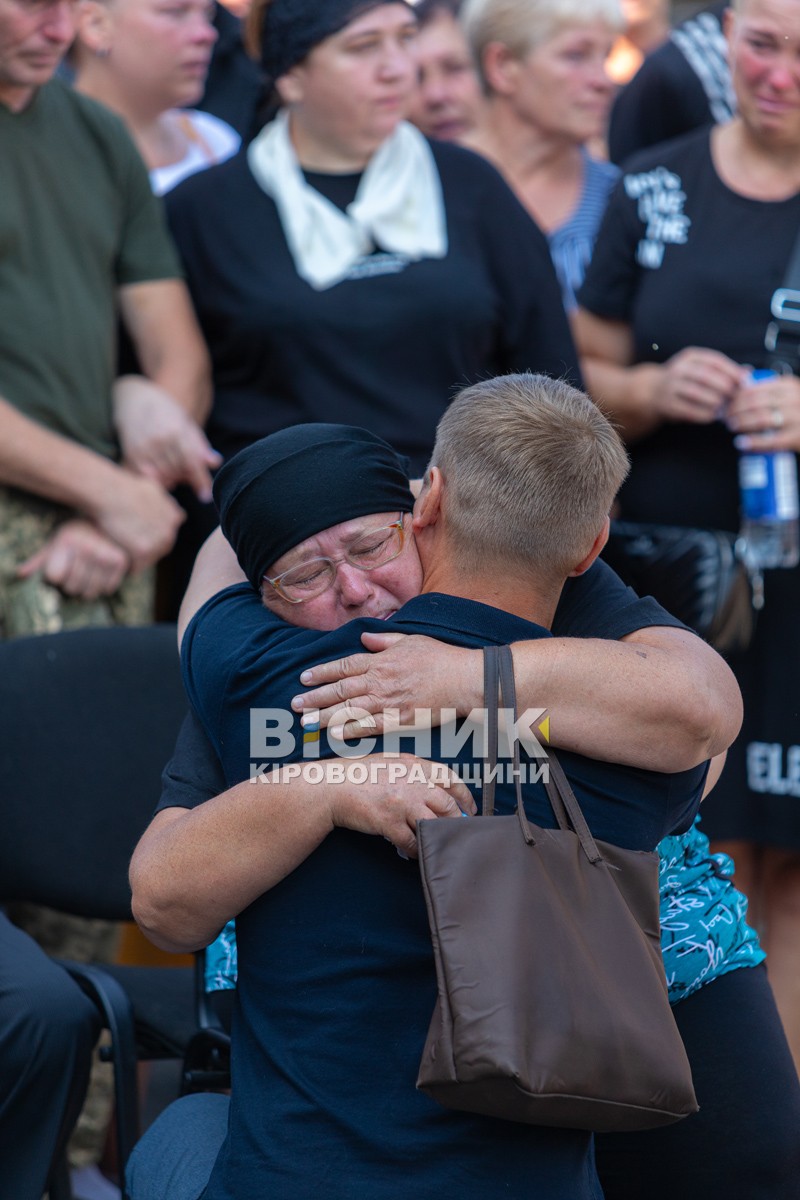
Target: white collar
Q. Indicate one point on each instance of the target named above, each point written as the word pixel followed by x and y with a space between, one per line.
pixel 398 206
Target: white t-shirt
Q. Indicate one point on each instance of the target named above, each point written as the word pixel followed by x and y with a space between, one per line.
pixel 210 141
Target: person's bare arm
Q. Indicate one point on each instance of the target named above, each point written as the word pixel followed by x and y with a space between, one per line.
pixel 623 391
pixel 134 512
pixel 160 320
pixel 215 568
pixel 714 771
pixel 159 439
pixel 660 698
pixel 694 385
pixel 158 415
pixel 183 894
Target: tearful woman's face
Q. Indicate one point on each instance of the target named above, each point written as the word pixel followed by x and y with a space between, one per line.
pixel 764 40
pixel 359 587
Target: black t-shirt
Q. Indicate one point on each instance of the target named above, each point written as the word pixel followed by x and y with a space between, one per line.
pixel 681 86
pixel 389 346
pixel 685 261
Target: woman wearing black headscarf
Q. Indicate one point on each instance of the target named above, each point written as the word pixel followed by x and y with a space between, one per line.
pixel 344 268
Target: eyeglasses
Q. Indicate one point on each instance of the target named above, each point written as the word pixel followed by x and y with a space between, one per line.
pixel 314 576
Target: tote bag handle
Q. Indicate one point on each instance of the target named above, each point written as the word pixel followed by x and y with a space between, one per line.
pixel 498 675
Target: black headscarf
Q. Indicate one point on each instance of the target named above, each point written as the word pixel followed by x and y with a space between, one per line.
pixel 292 28
pixel 294 483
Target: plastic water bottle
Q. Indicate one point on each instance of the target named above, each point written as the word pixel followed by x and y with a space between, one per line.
pixel 770 531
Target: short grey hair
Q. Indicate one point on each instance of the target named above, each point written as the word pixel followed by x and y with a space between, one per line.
pixel 522 25
pixel 530 467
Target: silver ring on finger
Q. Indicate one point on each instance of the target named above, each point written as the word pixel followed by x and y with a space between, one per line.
pixel 777 418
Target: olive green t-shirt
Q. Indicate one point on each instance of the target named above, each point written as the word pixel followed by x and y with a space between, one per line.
pixel 77 220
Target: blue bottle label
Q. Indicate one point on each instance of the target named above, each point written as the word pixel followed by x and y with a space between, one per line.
pixel 768 484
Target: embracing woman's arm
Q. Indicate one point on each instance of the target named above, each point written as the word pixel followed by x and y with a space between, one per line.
pixel 660 698
pixel 194 869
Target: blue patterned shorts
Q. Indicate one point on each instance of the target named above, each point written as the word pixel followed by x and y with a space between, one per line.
pixel 704 933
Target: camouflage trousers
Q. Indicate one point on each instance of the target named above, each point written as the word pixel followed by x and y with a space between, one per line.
pixel 32 606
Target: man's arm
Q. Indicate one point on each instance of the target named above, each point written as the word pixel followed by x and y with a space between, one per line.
pixel 660 698
pixel 169 345
pixel 158 415
pixel 134 512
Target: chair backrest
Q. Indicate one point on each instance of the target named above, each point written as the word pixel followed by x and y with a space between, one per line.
pixel 88 718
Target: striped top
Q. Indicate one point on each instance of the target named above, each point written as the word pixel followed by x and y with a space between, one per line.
pixel 572 243
pixel 702 43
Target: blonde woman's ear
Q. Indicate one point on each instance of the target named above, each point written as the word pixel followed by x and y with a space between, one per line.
pixel 94 26
pixel 500 68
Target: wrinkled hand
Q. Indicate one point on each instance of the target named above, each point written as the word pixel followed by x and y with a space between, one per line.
pixel 766 414
pixel 140 517
pixel 403 672
pixel 696 385
pixel 80 560
pixel 399 791
pixel 159 439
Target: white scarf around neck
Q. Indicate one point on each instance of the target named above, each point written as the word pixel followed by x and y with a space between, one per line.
pixel 398 207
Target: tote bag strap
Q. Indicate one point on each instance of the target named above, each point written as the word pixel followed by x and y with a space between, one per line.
pixel 499 674
pixel 576 817
pixel 491 700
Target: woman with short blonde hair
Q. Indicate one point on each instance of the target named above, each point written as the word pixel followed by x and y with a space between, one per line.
pixel 548 95
pixel 522 25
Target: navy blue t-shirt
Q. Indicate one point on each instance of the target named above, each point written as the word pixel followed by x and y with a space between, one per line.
pixel 596 604
pixel 337 981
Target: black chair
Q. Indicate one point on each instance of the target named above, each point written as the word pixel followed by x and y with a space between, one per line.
pixel 207 1058
pixel 89 718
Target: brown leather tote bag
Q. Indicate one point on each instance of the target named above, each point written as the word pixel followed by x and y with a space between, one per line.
pixel 552 1002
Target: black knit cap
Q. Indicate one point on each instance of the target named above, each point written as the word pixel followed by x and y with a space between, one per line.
pixel 295 483
pixel 292 28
